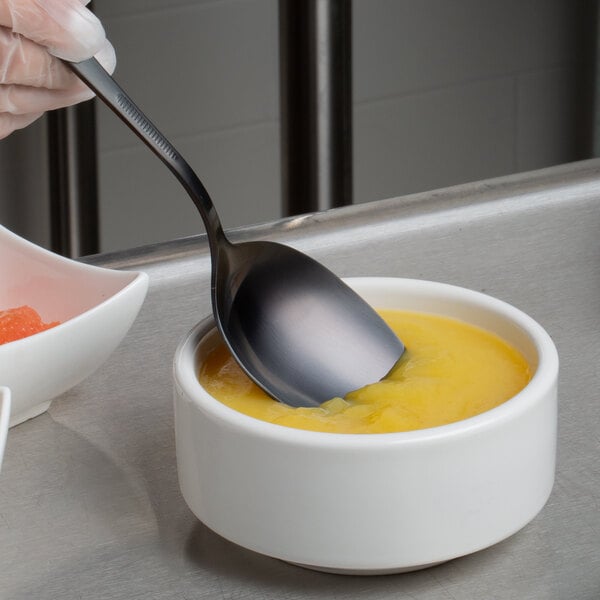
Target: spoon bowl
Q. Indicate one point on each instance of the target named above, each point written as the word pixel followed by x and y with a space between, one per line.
pixel 296 329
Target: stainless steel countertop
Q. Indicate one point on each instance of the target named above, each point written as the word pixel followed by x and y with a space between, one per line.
pixel 90 505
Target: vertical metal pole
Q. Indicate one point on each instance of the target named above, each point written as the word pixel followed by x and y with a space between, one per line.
pixel 316 104
pixel 73 176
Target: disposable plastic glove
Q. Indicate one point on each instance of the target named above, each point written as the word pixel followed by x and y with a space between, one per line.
pixel 32 34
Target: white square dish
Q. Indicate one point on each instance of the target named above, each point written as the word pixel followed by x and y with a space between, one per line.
pixel 95 308
pixel 4 419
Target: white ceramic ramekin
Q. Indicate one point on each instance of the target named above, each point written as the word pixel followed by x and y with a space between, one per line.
pixel 373 503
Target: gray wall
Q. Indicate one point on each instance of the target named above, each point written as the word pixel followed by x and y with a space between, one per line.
pixel 444 92
pixel 24 200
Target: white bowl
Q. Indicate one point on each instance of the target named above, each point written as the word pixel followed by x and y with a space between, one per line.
pixel 373 503
pixel 4 419
pixel 95 306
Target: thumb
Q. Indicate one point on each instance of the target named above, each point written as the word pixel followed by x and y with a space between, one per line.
pixel 68 29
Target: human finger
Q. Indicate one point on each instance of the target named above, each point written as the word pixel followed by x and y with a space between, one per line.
pixel 66 27
pixel 22 100
pixel 23 62
pixel 10 122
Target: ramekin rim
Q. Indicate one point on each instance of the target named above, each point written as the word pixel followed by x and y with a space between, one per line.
pixel 542 381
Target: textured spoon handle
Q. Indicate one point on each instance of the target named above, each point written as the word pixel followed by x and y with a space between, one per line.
pixel 138 121
pixel 93 74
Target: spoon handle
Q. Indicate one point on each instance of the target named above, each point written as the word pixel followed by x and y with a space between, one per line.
pixel 95 76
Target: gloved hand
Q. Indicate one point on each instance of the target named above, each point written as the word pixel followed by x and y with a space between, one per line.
pixel 32 34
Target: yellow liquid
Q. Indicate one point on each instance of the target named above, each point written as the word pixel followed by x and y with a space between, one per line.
pixel 450 371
